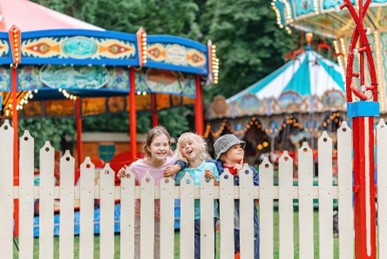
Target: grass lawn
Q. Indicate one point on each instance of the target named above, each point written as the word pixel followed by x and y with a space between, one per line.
pixel 177 236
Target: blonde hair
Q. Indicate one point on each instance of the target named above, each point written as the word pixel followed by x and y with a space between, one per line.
pixel 151 135
pixel 198 141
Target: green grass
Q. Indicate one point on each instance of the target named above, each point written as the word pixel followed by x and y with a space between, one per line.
pixel 177 236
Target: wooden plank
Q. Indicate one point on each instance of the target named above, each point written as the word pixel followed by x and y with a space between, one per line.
pixel 46 202
pixel 26 196
pixel 305 180
pixel 344 162
pixel 246 212
pixel 107 213
pixel 127 216
pixel 381 141
pixel 6 190
pixel 325 200
pixel 266 209
pixel 207 219
pixel 226 207
pixel 86 222
pixel 66 227
pixel 285 207
pixel 187 217
pixel 167 218
pixel 147 218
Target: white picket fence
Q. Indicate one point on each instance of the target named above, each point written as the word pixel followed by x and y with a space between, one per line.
pixel 267 193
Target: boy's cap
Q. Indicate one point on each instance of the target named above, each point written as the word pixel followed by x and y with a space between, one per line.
pixel 224 143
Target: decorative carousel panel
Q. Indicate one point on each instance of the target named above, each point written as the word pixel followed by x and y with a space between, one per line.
pixel 333 100
pixel 59 108
pixel 164 81
pixel 219 108
pixel 32 109
pixel 93 106
pixel 289 101
pixel 116 104
pixel 5 79
pixel 5 53
pixel 72 77
pixel 175 53
pixel 58 47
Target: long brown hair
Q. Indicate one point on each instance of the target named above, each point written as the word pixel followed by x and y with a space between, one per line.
pixel 151 135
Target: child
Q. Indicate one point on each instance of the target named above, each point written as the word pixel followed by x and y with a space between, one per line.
pixel 192 148
pixel 229 153
pixel 157 157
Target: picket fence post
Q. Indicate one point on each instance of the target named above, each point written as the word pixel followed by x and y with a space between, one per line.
pixel 305 185
pixel 344 163
pixel 46 201
pixel 6 190
pixel 26 196
pixel 325 201
pixel 285 207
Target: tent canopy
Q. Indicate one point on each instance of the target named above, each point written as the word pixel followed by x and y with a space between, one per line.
pixel 308 74
pixel 308 83
pixel 29 16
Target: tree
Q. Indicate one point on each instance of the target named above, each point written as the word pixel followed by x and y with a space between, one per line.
pixel 249 44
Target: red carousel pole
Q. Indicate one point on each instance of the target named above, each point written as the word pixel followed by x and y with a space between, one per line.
pixel 15 40
pixel 155 116
pixel 362 113
pixel 132 114
pixel 199 111
pixel 78 122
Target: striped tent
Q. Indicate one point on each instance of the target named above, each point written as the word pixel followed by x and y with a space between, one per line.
pixel 308 74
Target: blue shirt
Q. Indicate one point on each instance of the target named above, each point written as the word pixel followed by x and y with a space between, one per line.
pixel 197 174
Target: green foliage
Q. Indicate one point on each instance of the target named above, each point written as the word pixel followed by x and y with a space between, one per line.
pixel 249 43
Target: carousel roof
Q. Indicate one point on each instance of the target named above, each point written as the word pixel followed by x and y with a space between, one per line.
pixel 29 16
pixel 60 57
pixel 307 74
pixel 308 83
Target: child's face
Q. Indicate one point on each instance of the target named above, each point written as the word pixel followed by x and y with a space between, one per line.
pixel 188 150
pixel 234 155
pixel 159 148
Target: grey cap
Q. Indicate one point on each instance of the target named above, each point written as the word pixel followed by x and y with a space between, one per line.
pixel 223 144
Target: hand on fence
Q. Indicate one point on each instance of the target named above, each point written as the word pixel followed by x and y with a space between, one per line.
pixel 170 171
pixel 122 172
pixel 209 175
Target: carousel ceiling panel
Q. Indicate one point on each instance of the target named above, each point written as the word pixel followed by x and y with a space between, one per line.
pixel 320 16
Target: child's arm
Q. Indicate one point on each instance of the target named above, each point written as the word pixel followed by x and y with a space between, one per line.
pixel 172 170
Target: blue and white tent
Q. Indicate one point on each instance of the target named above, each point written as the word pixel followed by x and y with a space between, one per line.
pixel 308 83
pixel 308 74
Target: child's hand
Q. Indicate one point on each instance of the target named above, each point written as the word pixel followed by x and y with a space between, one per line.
pixel 209 175
pixel 171 170
pixel 122 172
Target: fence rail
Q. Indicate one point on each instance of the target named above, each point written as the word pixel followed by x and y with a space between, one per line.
pixel 268 192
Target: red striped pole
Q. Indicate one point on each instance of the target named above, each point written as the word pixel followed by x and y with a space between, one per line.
pixel 362 111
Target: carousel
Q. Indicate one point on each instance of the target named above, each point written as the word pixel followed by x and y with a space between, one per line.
pixel 329 18
pixel 293 104
pixel 55 65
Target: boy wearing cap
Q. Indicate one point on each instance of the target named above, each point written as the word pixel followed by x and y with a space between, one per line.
pixel 229 153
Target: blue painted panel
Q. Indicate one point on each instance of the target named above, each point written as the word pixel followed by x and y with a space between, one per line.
pixel 363 109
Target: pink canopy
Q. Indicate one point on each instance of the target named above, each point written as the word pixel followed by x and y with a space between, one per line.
pixel 29 16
